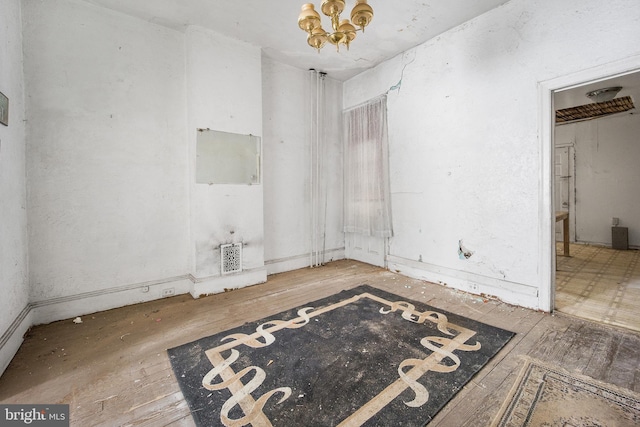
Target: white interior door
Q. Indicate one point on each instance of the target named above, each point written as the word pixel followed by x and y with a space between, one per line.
pixel 562 184
pixel 371 250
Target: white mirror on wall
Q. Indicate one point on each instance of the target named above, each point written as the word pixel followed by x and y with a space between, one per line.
pixel 227 158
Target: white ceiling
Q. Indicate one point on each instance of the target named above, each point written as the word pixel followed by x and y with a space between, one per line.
pixel 273 26
pixel 396 27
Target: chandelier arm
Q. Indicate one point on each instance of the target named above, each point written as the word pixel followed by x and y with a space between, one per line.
pixel 335 21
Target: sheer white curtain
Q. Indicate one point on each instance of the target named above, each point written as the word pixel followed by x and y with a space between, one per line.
pixel 367 195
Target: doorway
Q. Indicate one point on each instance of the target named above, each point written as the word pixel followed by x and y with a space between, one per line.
pixel 546 205
pixel 594 181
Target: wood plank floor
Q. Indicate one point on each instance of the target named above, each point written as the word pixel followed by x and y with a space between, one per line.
pixel 113 370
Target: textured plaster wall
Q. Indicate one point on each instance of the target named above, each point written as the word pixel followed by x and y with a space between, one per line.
pixel 13 215
pixel 106 153
pixel 463 130
pixel 224 94
pixel 607 176
pixel 287 92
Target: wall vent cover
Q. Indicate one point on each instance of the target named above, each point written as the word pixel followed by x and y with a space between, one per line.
pixel 231 258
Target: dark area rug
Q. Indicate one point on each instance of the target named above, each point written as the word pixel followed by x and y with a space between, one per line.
pixel 360 357
pixel 547 395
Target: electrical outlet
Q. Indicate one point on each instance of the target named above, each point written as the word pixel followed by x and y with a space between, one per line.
pixel 473 287
pixel 615 221
pixel 144 289
pixel 168 292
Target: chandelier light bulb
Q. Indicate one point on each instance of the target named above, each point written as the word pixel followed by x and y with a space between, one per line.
pixel 348 30
pixel 362 14
pixel 309 18
pixel 317 38
pixel 332 7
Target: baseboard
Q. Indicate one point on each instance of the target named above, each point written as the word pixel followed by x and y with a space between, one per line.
pixel 297 262
pixel 72 306
pixel 12 338
pixel 216 284
pixel 78 305
pixel 92 302
pixel 504 290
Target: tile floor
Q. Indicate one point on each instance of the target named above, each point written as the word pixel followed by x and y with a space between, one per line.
pixel 600 284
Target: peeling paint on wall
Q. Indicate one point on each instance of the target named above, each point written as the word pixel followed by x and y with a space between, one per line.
pixel 463 253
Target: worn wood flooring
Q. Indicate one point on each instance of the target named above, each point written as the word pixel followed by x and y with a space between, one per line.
pixel 113 370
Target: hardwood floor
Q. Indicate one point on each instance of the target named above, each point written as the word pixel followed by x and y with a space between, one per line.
pixel 113 369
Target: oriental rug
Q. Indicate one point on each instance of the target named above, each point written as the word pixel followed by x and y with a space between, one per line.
pixel 361 357
pixel 546 395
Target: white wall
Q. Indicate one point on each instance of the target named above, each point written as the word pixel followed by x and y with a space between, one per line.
pixel 106 154
pixel 287 92
pixel 113 104
pixel 607 155
pixel 13 215
pixel 463 127
pixel 224 94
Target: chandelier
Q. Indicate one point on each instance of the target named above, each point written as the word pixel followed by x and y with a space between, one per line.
pixel 343 31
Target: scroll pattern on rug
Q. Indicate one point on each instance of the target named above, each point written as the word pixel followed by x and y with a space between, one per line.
pixel 441 348
pixel 360 357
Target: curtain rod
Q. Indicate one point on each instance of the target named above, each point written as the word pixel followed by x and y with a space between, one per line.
pixel 370 101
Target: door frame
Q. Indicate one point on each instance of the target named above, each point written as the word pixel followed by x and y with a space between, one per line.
pixel 546 121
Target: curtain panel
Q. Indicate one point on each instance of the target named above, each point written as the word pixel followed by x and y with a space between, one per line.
pixel 367 189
